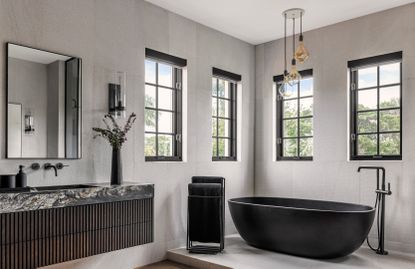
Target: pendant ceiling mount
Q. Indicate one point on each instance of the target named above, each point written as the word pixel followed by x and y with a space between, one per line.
pixel 293 13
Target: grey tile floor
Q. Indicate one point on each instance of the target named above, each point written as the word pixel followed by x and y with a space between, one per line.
pixel 239 255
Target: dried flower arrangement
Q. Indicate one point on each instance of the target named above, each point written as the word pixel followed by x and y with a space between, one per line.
pixel 114 133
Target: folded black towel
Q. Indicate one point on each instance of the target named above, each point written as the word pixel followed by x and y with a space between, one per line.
pixel 204 219
pixel 205 189
pixel 207 179
pixel 205 210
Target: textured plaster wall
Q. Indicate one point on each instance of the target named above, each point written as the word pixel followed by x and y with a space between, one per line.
pixel 112 35
pixel 330 176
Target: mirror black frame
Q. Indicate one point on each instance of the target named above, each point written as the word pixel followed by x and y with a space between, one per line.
pixel 80 150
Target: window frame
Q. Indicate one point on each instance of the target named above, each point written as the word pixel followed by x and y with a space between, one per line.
pixel 232 79
pixel 280 120
pixel 354 66
pixel 177 65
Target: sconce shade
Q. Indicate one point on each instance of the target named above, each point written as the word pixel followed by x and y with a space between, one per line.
pixel 116 100
pixel 116 94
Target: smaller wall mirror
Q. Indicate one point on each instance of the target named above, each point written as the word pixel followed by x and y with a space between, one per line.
pixel 43 104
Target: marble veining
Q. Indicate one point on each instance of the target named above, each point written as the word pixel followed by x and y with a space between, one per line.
pixel 12 202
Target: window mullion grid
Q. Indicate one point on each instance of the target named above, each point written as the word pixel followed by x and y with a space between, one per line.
pixel 232 114
pixel 217 119
pixel 378 112
pixel 400 108
pixel 156 110
pixel 354 102
pixel 279 105
pixel 174 101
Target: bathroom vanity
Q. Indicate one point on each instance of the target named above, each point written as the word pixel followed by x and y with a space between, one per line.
pixel 52 224
pixel 47 225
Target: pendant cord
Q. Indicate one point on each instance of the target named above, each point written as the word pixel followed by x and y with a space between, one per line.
pixel 293 38
pixel 285 43
pixel 301 24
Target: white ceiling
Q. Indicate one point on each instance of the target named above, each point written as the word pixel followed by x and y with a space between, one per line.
pixel 34 55
pixel 260 21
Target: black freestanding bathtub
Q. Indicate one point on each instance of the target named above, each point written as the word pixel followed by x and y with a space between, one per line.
pixel 308 228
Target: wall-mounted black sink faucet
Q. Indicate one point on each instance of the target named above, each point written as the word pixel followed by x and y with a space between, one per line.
pixel 56 167
pixel 381 192
pixel 49 166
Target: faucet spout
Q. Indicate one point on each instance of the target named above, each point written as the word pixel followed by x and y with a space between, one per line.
pixel 371 167
pixel 49 166
pixel 377 168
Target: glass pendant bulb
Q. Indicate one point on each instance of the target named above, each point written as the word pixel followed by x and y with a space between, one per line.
pixel 294 77
pixel 283 88
pixel 301 53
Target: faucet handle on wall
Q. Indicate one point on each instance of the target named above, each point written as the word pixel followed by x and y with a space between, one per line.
pixel 389 189
pixel 35 166
pixel 61 165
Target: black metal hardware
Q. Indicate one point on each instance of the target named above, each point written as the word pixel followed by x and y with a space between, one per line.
pixel 61 166
pixel 35 166
pixel 381 192
pixel 79 61
pixel 49 166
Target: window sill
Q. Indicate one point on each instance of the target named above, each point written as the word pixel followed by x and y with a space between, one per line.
pixel 231 159
pixel 163 160
pixel 293 159
pixel 385 158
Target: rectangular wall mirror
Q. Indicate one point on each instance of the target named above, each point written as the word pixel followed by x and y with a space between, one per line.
pixel 44 114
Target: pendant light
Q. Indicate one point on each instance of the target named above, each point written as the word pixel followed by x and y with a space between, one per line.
pixel 301 54
pixel 294 76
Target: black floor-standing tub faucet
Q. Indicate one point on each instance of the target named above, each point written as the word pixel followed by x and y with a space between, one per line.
pixel 380 204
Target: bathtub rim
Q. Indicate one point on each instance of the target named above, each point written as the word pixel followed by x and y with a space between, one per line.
pixel 371 209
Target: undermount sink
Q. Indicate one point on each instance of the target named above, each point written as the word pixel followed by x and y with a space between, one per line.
pixel 46 188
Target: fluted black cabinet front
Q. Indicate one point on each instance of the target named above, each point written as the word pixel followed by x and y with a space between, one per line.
pixel 31 239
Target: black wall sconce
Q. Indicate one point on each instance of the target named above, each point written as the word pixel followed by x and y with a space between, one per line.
pixel 116 98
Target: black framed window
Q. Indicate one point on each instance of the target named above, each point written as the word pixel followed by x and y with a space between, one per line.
pixel 376 108
pixel 224 114
pixel 295 119
pixel 163 106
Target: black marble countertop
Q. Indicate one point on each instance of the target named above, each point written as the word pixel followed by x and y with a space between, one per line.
pixel 94 193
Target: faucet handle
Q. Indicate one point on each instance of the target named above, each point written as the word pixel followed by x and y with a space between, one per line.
pixel 35 166
pixel 389 189
pixel 47 166
pixel 61 165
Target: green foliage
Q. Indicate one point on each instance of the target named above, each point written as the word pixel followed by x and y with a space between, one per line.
pixel 389 120
pixel 164 145
pixel 220 127
pixel 290 128
pixel 113 132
